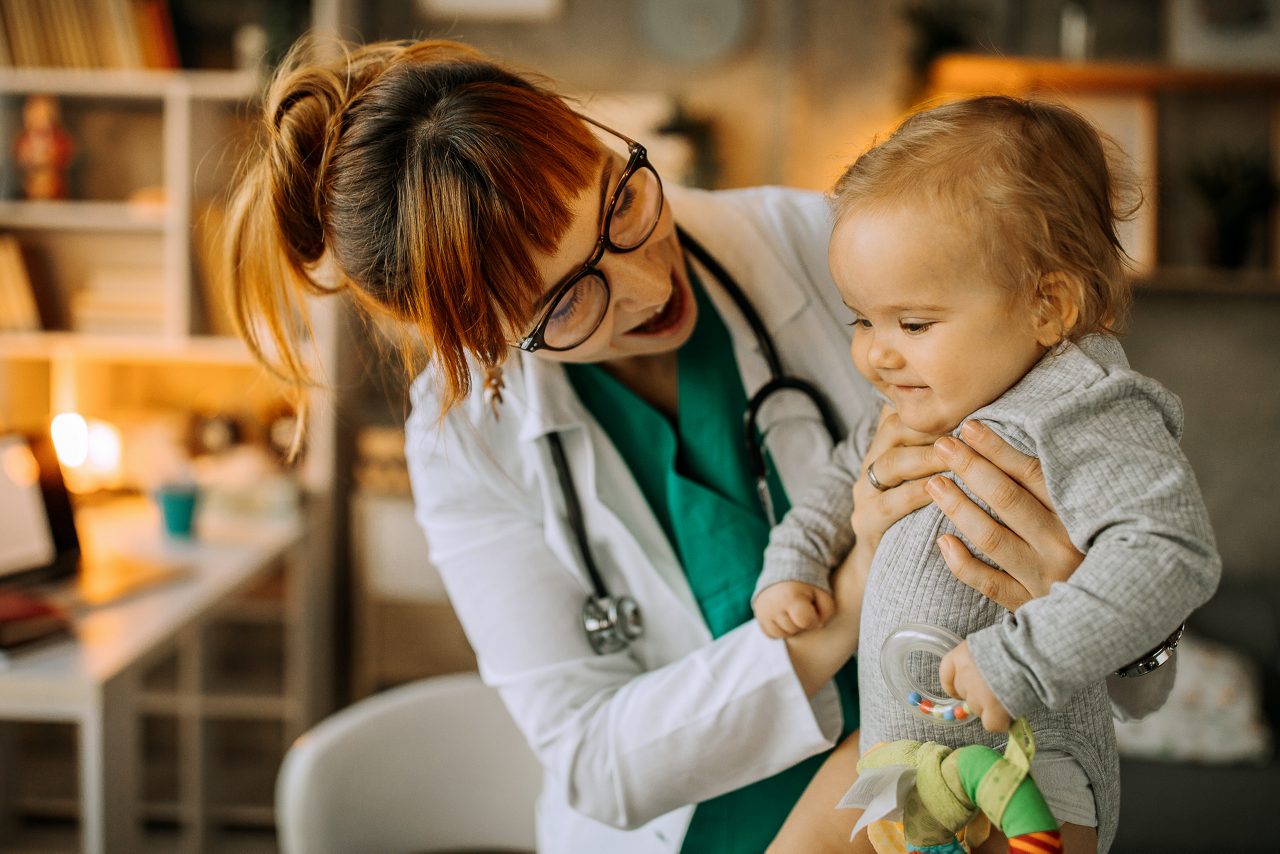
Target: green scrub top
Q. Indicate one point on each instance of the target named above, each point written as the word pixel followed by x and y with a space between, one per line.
pixel 696 476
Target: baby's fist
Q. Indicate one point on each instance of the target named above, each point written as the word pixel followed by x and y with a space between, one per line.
pixel 791 607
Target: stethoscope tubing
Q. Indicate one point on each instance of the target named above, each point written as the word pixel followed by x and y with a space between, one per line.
pixel 612 638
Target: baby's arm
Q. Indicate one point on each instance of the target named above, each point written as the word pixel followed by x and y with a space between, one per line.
pixel 811 539
pixel 1130 501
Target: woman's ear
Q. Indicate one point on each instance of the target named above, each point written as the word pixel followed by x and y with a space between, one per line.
pixel 1057 307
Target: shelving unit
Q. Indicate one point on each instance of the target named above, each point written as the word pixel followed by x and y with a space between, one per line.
pixel 216 711
pixel 193 113
pixel 1166 117
pixel 155 153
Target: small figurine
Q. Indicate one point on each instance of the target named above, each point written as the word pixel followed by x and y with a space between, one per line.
pixel 43 150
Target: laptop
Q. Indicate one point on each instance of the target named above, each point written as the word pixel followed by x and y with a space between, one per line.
pixel 39 544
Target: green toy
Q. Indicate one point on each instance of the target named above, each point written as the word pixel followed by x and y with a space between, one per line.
pixel 952 785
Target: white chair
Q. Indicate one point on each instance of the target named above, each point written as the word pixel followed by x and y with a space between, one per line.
pixel 432 765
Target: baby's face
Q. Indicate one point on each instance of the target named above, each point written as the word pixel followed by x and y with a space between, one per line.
pixel 931 330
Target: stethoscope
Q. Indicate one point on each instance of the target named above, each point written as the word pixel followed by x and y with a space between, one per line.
pixel 613 622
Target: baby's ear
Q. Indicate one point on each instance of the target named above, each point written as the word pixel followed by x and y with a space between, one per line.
pixel 1057 307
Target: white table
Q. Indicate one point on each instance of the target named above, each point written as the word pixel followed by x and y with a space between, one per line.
pixel 94 681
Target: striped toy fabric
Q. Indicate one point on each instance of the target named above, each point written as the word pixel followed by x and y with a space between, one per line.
pixel 1041 842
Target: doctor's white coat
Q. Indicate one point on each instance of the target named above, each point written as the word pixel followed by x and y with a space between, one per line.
pixel 631 741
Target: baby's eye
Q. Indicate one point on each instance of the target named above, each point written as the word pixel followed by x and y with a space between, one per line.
pixel 860 322
pixel 915 327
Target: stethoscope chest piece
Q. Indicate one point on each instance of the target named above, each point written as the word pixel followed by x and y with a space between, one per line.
pixel 611 623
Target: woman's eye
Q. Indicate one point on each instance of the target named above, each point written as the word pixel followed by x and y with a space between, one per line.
pixel 625 202
pixel 566 307
pixel 912 327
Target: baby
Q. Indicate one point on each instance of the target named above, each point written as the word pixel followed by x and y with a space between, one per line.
pixel 976 249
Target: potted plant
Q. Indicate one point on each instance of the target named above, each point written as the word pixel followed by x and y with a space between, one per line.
pixel 1238 190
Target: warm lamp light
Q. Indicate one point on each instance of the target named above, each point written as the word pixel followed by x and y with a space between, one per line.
pixel 89 451
pixel 104 448
pixel 70 434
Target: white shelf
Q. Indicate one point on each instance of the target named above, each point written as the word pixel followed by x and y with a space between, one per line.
pixel 82 216
pixel 130 85
pixel 201 349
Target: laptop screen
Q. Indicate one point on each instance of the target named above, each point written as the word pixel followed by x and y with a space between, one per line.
pixel 37 531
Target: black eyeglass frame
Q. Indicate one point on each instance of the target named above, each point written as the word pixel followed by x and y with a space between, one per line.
pixel 638 158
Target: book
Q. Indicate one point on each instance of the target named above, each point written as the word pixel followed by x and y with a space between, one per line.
pixel 23 41
pixel 6 55
pixel 18 311
pixel 156 39
pixel 119 301
pixel 117 42
pixel 26 619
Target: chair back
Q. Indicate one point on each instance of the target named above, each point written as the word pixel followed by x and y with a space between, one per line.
pixel 433 765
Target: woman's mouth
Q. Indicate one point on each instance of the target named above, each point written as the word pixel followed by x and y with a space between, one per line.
pixel 667 316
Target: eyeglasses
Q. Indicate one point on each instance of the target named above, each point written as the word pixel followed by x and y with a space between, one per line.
pixel 577 306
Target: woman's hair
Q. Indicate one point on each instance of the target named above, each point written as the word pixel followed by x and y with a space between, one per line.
pixel 425 174
pixel 1039 186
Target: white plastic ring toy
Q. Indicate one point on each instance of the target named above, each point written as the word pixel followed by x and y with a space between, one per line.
pixel 918 637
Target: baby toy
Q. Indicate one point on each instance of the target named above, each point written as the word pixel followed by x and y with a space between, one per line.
pixel 940 794
pixel 917 637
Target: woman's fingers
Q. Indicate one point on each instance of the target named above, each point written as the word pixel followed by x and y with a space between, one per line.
pixel 1019 508
pixel 997 586
pixel 902 463
pixel 990 537
pixel 875 511
pixel 1022 468
pixel 1028 541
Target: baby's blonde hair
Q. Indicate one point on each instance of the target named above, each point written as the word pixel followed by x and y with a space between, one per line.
pixel 1041 186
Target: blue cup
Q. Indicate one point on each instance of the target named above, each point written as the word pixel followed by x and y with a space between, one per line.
pixel 178 508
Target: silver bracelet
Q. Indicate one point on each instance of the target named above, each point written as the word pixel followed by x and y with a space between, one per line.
pixel 1155 658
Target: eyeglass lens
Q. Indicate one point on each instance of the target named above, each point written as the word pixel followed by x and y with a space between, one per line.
pixel 579 310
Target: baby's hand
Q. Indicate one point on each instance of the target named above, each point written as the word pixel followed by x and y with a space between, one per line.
pixel 962 680
pixel 791 607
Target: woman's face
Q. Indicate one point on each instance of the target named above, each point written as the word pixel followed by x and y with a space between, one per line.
pixel 651 307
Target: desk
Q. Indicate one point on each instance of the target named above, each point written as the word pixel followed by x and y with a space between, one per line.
pixel 95 680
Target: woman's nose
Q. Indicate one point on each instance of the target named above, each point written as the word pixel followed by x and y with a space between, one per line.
pixel 637 283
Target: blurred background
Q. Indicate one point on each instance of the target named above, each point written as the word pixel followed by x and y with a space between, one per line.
pixel 123 122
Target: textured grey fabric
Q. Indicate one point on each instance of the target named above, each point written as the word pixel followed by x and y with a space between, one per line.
pixel 1107 440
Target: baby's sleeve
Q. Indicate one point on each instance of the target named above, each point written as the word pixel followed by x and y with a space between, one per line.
pixel 816 533
pixel 1131 504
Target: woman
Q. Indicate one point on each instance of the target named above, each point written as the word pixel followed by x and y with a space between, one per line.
pixel 544 275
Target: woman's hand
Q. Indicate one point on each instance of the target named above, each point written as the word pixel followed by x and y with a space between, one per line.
pixel 902 458
pixel 1032 546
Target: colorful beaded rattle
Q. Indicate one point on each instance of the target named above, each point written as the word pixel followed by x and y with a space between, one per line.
pixel 918 637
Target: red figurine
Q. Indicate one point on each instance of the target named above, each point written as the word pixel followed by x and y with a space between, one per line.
pixel 43 150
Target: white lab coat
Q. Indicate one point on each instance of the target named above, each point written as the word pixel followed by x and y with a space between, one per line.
pixel 631 741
